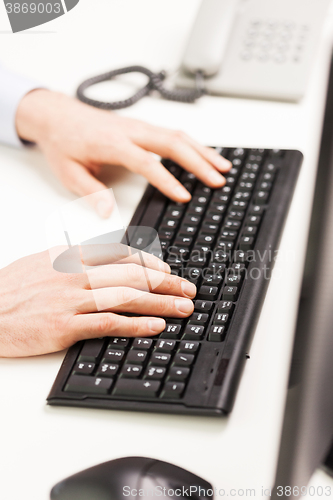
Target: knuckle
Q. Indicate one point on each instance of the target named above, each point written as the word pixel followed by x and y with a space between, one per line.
pixel 106 324
pixel 124 295
pixel 134 273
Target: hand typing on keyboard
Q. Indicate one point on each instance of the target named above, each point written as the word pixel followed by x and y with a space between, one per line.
pixel 78 140
pixel 43 310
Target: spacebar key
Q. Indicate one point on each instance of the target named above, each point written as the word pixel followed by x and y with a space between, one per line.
pixel 142 388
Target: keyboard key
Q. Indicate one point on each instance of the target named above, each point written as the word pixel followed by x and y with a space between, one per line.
pixel 137 357
pixel 114 355
pixel 205 239
pixel 216 334
pixel 86 384
pixel 193 332
pixel 240 256
pixel 225 306
pixel 172 331
pixel 224 245
pixel 212 281
pixel 178 373
pixel 246 243
pixel 238 268
pixel 261 197
pixel 221 319
pixel 142 343
pixel 233 279
pixel 203 305
pixel 83 368
pixel 188 347
pixel 253 220
pixel 198 319
pixel 183 241
pixel 249 231
pixel 256 210
pixel 208 228
pixel 130 371
pixel 154 372
pixel 107 370
pixel 91 350
pixel 159 359
pixel 118 342
pixel 172 390
pixel 226 234
pixel 165 345
pixel 136 388
pixel 230 293
pixel 181 359
pixel 208 292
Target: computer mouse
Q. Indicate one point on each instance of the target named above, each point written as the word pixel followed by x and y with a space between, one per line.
pixel 133 478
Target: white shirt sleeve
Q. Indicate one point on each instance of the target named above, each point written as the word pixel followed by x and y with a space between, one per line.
pixel 13 88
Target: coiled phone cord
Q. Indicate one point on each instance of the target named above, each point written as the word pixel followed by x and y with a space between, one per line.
pixel 155 83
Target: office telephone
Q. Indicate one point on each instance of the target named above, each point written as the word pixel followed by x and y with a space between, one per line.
pixel 254 48
pixel 249 48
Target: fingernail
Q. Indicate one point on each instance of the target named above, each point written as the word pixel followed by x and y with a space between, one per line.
pixel 188 289
pixel 156 325
pixel 104 208
pixel 164 267
pixel 184 305
pixel 222 163
pixel 182 193
pixel 215 178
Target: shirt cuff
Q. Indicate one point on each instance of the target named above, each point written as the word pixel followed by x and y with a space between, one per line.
pixel 13 88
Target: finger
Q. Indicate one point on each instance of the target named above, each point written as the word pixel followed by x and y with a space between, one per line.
pixel 123 299
pixel 141 278
pixel 175 146
pixel 159 137
pixel 83 183
pixel 211 155
pixel 87 326
pixel 137 160
pixel 117 253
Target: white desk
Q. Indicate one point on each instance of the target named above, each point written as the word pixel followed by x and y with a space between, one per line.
pixel 41 445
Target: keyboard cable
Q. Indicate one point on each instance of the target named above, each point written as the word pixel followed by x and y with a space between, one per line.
pixel 155 83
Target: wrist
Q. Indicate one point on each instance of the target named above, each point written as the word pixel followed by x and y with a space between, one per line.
pixel 33 114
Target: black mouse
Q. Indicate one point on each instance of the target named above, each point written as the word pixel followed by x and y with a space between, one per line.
pixel 133 478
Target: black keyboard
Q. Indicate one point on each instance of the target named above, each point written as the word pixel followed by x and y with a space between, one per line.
pixel 225 241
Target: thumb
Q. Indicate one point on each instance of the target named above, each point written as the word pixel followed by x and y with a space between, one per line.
pixel 83 183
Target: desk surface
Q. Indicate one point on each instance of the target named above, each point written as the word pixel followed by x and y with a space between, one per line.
pixel 41 445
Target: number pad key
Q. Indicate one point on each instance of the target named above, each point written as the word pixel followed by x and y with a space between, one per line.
pixel 85 368
pixel 198 319
pixel 160 359
pixel 178 373
pixel 188 347
pixel 181 359
pixel 118 343
pixel 165 345
pixel 114 355
pixel 154 372
pixel 107 370
pixel 130 371
pixel 137 357
pixel 193 332
pixel 173 390
pixel 172 331
pixel 142 343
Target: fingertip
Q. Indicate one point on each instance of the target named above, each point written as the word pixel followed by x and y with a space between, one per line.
pixel 104 207
pixel 156 325
pixel 182 194
pixel 222 163
pixel 216 179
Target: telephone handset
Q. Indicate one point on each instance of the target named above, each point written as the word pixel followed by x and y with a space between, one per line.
pixel 254 48
pixel 209 37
